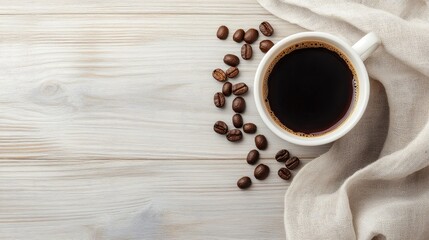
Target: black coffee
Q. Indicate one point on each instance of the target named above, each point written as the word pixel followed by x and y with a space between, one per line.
pixel 310 88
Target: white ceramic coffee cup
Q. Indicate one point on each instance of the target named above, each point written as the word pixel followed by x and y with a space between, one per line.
pixel 356 54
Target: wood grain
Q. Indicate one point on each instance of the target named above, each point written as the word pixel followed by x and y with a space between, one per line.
pixel 121 86
pixel 236 7
pixel 106 123
pixel 150 199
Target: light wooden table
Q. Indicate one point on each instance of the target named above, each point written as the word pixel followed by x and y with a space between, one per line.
pixel 106 123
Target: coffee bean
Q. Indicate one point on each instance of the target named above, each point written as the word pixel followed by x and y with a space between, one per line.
pixel 234 135
pixel 238 105
pixel 261 142
pixel 292 163
pixel 219 99
pixel 282 155
pixel 239 88
pixel 231 60
pixel 237 120
pixel 220 127
pixel 249 128
pixel 284 173
pixel 227 89
pixel 246 51
pixel 251 35
pixel 244 182
pixel 222 32
pixel 238 35
pixel 261 172
pixel 232 72
pixel 266 29
pixel 266 45
pixel 252 157
pixel 219 75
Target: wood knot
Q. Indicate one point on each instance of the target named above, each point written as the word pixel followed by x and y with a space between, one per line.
pixel 50 88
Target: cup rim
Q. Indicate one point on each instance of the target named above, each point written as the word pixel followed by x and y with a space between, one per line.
pixel 353 118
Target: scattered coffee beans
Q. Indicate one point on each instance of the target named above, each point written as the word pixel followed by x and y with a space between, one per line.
pixel 252 157
pixel 219 75
pixel 265 45
pixel 284 173
pixel 222 32
pixel 232 72
pixel 282 155
pixel 227 89
pixel 237 120
pixel 219 100
pixel 244 182
pixel 261 142
pixel 249 128
pixel 238 35
pixel 239 88
pixel 266 29
pixel 251 36
pixel 220 127
pixel 246 51
pixel 292 163
pixel 238 104
pixel 234 135
pixel 231 60
pixel 261 172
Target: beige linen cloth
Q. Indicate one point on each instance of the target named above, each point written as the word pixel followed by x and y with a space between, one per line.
pixel 374 182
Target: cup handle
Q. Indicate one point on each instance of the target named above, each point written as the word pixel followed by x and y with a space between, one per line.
pixel 366 45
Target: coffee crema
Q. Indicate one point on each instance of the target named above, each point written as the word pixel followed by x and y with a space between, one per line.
pixel 310 88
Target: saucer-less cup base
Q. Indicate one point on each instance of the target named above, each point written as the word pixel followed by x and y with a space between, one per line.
pixel 356 54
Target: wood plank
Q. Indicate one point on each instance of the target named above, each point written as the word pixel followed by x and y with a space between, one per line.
pixel 236 7
pixel 122 87
pixel 150 199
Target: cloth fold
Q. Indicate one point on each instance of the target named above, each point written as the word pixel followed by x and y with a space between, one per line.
pixel 374 182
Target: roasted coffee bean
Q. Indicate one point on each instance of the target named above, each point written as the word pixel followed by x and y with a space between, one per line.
pixel 251 36
pixel 266 29
pixel 219 75
pixel 284 173
pixel 222 32
pixel 231 60
pixel 232 72
pixel 252 157
pixel 234 135
pixel 292 163
pixel 261 171
pixel 238 35
pixel 249 128
pixel 246 51
pixel 227 89
pixel 266 45
pixel 238 105
pixel 219 99
pixel 220 127
pixel 239 88
pixel 237 120
pixel 244 182
pixel 261 142
pixel 282 155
